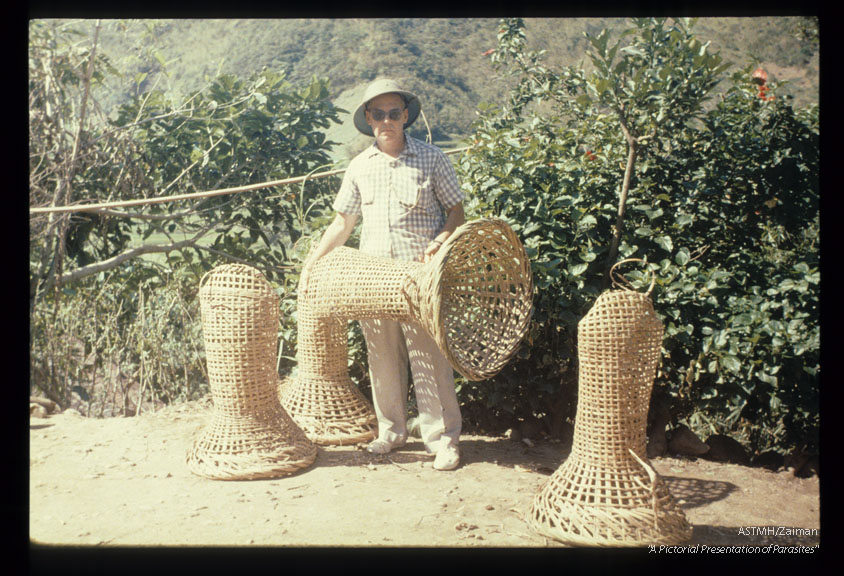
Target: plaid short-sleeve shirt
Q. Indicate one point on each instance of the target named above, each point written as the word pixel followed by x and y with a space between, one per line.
pixel 402 201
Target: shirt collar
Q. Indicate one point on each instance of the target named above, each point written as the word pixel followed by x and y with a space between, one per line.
pixel 411 148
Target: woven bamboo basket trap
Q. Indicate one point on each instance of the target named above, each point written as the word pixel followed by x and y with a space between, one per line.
pixel 250 435
pixel 474 297
pixel 606 493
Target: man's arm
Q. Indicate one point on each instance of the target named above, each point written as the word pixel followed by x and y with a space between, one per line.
pixel 455 218
pixel 335 235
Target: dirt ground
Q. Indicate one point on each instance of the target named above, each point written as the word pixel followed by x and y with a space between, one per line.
pixel 123 482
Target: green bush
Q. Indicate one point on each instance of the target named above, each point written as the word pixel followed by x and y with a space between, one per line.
pixel 137 270
pixel 120 343
pixel 721 201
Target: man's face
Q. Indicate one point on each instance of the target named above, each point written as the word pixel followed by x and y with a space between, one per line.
pixel 387 131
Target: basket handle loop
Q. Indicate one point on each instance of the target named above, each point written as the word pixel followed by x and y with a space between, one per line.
pixel 621 284
pixel 204 278
pixel 652 475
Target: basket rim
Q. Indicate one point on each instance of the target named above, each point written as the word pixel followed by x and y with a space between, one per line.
pixel 440 264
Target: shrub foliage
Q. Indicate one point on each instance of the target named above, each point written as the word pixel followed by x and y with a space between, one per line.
pixel 136 271
pixel 719 198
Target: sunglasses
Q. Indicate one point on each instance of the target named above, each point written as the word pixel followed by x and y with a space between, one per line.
pixel 379 115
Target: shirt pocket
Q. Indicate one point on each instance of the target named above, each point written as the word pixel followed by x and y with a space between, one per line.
pixel 366 186
pixel 416 192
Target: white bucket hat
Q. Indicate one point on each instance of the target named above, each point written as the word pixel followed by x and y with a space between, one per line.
pixel 385 86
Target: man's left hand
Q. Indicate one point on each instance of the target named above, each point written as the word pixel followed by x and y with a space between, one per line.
pixel 433 248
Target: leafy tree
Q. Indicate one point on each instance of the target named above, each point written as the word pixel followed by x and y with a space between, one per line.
pixel 654 90
pixel 629 161
pixel 231 133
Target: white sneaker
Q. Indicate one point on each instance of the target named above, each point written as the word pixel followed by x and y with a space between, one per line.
pixel 383 447
pixel 448 458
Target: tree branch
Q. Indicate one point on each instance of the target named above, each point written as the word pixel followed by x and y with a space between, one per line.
pixel 57 265
pixel 633 148
pixel 115 261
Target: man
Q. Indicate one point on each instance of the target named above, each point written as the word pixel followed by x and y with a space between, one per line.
pixel 407 195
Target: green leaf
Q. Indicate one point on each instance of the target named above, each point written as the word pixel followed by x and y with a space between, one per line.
pixel 665 243
pixel 684 220
pixel 160 58
pixel 531 228
pixel 633 51
pixel 584 100
pixel 587 221
pixel 731 363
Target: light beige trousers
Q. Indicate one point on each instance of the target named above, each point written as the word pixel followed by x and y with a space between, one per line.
pixel 390 347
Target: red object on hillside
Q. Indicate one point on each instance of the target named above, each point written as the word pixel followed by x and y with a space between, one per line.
pixel 760 76
pixel 488 52
pixel 763 93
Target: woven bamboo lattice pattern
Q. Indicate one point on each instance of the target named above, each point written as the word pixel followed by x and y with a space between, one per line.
pixel 474 298
pixel 250 435
pixel 606 493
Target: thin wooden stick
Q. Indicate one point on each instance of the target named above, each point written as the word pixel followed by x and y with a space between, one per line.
pixel 177 197
pixel 141 380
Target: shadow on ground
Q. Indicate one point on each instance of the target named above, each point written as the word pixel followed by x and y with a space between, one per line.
pixel 695 492
pixel 543 458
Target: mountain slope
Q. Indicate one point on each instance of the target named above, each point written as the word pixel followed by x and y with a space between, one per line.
pixel 440 59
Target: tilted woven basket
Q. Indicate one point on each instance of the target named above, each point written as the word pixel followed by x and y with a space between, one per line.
pixel 250 435
pixel 474 298
pixel 606 493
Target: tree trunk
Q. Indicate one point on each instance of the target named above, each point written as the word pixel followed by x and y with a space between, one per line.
pixel 57 266
pixel 622 203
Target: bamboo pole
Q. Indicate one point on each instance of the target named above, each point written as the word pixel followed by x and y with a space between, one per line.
pixel 208 194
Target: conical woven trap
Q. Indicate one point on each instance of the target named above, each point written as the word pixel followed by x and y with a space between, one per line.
pixel 474 298
pixel 250 435
pixel 328 413
pixel 606 493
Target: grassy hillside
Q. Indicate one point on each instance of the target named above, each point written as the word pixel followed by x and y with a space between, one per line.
pixel 440 59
